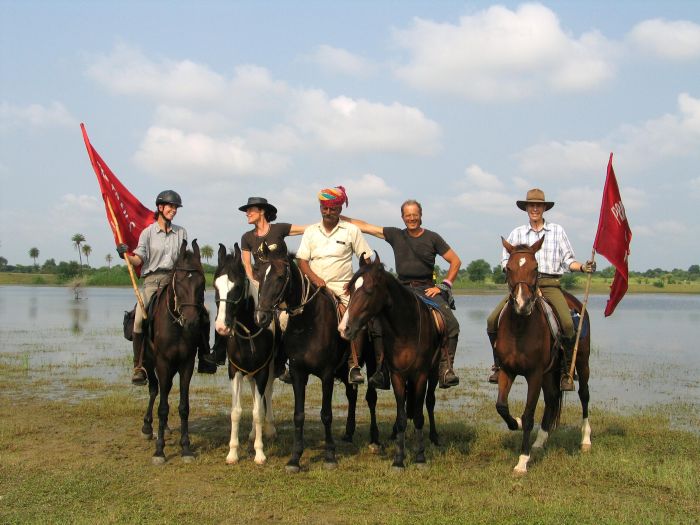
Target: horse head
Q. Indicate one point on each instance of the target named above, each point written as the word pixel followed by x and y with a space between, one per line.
pixel 274 286
pixel 521 275
pixel 231 287
pixel 188 285
pixel 368 295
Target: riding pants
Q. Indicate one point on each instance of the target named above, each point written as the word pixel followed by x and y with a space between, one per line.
pixel 151 284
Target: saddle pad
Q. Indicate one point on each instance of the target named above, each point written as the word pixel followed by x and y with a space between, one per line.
pixel 552 320
pixel 436 313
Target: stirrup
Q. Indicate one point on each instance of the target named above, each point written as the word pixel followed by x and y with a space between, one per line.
pixel 139 379
pixel 493 378
pixel 566 383
pixel 355 376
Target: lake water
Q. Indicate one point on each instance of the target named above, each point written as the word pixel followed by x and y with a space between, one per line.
pixel 644 354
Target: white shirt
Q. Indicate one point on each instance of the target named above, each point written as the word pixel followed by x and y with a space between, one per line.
pixel 330 254
pixel 556 254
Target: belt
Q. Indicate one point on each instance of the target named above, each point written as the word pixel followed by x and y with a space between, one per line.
pixel 548 276
pixel 157 272
pixel 416 283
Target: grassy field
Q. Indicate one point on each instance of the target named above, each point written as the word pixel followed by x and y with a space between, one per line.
pixel 71 452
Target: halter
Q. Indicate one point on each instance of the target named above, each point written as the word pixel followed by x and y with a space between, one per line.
pixel 180 319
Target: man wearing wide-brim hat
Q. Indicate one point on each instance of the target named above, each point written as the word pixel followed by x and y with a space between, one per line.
pixel 554 258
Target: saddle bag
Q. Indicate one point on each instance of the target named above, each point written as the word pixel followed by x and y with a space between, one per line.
pixel 129 317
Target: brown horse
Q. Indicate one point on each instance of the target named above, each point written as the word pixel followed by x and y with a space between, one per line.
pixel 411 348
pixel 525 346
pixel 174 323
pixel 314 347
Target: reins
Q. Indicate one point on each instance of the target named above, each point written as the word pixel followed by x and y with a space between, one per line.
pixel 180 318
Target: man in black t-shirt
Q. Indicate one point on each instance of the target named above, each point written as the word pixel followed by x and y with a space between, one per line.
pixel 415 249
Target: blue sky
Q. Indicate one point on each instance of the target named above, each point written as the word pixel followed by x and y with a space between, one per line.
pixel 461 105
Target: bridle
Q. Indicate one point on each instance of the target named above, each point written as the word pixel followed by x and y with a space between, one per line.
pixel 177 316
pixel 532 288
pixel 245 293
pixel 306 295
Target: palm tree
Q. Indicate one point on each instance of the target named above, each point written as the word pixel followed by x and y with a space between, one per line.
pixel 207 252
pixel 34 253
pixel 109 258
pixel 87 250
pixel 78 239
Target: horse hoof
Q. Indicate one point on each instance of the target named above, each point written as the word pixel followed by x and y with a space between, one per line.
pixel 347 438
pixel 260 462
pixel 422 465
pixel 231 461
pixel 167 431
pixel 374 448
pixel 188 458
pixel 292 469
pixel 158 460
pixel 398 468
pixel 330 465
pixel 519 473
pixel 586 447
pixel 147 435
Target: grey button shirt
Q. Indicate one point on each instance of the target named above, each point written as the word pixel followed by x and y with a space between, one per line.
pixel 159 250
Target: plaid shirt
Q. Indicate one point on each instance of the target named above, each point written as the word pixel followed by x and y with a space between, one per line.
pixel 556 254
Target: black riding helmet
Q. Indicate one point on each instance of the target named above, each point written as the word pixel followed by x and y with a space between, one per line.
pixel 169 197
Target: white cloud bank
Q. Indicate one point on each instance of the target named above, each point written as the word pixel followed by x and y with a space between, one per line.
pixel 498 54
pixel 677 40
pixel 337 60
pixel 35 115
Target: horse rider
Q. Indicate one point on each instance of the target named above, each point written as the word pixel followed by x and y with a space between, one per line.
pixel 157 250
pixel 414 250
pixel 261 214
pixel 325 257
pixel 554 258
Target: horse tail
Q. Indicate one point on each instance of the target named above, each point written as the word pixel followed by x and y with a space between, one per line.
pixel 557 413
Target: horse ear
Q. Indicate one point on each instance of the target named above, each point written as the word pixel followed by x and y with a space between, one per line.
pixel 363 261
pixel 236 251
pixel 195 249
pixel 183 247
pixel 265 250
pixel 222 254
pixel 376 257
pixel 507 245
pixel 536 247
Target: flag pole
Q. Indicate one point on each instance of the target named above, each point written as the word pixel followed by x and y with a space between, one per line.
pixel 115 224
pixel 582 317
pixel 126 259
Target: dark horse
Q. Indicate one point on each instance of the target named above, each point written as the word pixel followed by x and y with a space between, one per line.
pixel 175 334
pixel 249 350
pixel 525 346
pixel 411 348
pixel 314 347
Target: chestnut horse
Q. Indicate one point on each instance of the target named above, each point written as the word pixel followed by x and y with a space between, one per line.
pixel 411 348
pixel 314 347
pixel 175 334
pixel 249 349
pixel 525 346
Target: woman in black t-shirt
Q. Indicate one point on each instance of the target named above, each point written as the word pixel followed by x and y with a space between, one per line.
pixel 261 214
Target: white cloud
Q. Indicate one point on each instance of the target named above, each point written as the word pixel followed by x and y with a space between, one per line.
pixel 35 115
pixel 476 176
pixel 351 125
pixel 499 54
pixel 339 60
pixel 486 202
pixel 672 40
pixel 368 186
pixel 78 204
pixel 560 160
pixel 172 153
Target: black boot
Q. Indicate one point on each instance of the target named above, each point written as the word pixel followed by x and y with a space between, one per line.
pixel 139 376
pixel 219 350
pixel 355 376
pixel 380 378
pixel 493 378
pixel 281 371
pixel 207 361
pixel 446 375
pixel 567 382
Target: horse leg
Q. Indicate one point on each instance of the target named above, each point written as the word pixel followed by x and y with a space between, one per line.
pixel 184 410
pixel 418 418
pixel 350 422
pixel 233 444
pixel 299 380
pixel 270 431
pixel 327 419
pixel 552 401
pixel 371 398
pixel 258 391
pixel 147 428
pixel 534 385
pixel 430 406
pixel 584 396
pixel 165 383
pixel 399 387
pixel 505 382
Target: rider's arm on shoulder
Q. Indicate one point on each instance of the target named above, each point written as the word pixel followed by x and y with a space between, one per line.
pixel 455 262
pixel 365 227
pixel 297 229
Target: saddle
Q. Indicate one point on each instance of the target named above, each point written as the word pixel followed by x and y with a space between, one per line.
pixel 438 317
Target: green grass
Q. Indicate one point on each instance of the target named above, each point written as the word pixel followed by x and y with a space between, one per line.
pixel 78 457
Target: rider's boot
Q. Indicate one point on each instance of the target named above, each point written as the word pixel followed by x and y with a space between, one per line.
pixel 567 382
pixel 219 350
pixel 446 375
pixel 380 378
pixel 139 375
pixel 355 376
pixel 281 371
pixel 493 378
pixel 207 360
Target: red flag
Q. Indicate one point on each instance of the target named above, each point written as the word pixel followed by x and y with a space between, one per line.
pixel 126 215
pixel 613 238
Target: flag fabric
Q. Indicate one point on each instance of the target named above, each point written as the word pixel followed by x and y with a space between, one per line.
pixel 130 217
pixel 613 238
